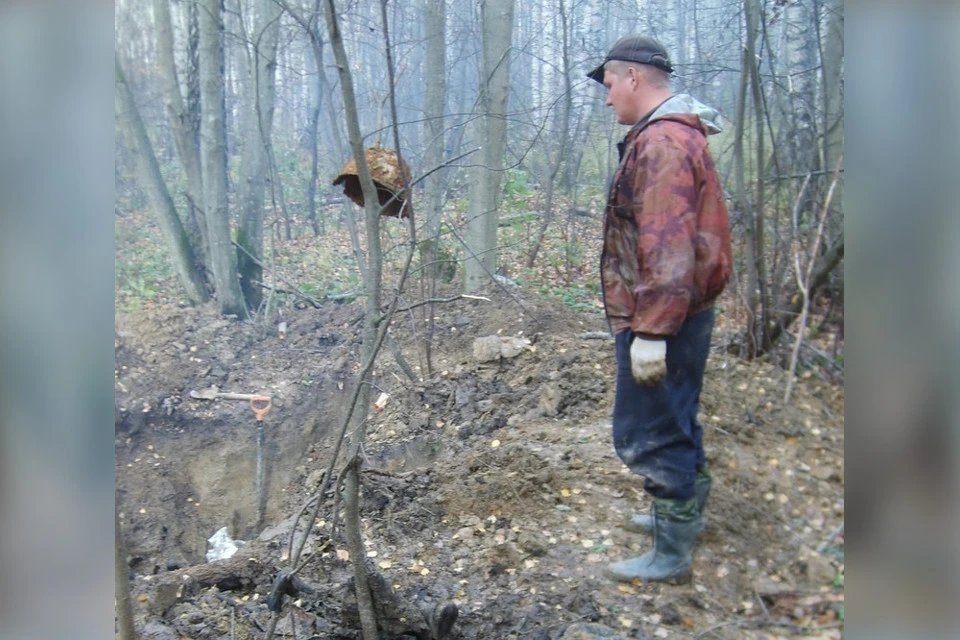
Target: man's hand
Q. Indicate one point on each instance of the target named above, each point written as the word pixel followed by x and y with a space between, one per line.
pixel 648 360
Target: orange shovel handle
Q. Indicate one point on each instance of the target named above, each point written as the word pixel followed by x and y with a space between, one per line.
pixel 260 406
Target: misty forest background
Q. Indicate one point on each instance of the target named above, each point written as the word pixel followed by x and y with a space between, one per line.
pixel 234 117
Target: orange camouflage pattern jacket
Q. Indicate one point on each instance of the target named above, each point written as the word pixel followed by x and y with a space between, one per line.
pixel 666 237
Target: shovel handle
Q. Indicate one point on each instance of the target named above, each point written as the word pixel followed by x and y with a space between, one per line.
pixel 260 406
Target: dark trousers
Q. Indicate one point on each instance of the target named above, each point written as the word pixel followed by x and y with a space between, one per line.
pixel 655 429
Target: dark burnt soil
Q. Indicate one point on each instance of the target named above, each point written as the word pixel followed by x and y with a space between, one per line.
pixel 493 486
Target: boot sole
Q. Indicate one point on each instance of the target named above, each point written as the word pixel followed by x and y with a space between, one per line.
pixel 673 580
pixel 627 526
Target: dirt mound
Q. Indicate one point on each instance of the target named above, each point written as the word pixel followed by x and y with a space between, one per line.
pixel 493 486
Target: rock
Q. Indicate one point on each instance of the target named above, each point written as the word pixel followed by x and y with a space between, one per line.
pixel 461 395
pixel 507 554
pixel 550 399
pixel 396 615
pixel 817 569
pixel 590 631
pixel 512 347
pixel 157 631
pixel 163 597
pixel 827 473
pixel 491 348
pixel 486 349
pixel 531 543
pixel 279 530
pixel 315 479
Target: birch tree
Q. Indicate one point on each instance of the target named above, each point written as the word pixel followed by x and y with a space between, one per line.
pixel 497 29
pixel 151 181
pixel 257 152
pixel 433 125
pixel 182 123
pixel 213 162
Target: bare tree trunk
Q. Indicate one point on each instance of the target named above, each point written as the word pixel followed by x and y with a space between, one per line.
pixel 121 579
pixel 497 18
pixel 754 14
pixel 213 157
pixel 320 90
pixel 433 107
pixel 181 126
pixel 831 63
pixel 316 47
pixel 369 335
pixel 822 268
pixel 561 142
pixel 755 331
pixel 151 180
pixel 255 162
pixel 745 208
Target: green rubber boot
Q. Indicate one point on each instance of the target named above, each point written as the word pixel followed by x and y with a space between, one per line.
pixel 676 525
pixel 643 522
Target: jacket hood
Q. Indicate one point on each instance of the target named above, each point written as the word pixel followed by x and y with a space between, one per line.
pixel 688 110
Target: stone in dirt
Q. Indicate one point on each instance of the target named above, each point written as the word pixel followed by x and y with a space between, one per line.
pixel 491 348
pixel 590 631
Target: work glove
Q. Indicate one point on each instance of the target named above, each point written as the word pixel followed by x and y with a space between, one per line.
pixel 648 360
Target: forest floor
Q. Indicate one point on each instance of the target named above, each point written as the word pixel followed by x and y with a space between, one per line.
pixel 490 485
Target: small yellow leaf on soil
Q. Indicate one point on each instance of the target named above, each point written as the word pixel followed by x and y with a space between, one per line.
pixel 495 444
pixel 141 598
pixel 625 588
pixel 565 493
pixel 424 571
pixel 386 564
pixel 774 462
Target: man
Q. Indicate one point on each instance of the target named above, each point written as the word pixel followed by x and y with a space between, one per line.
pixel 666 258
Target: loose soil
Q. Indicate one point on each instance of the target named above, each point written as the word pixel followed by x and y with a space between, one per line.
pixel 493 486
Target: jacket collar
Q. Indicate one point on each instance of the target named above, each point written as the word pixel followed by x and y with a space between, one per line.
pixel 636 129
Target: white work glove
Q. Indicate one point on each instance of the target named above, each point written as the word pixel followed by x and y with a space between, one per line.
pixel 648 360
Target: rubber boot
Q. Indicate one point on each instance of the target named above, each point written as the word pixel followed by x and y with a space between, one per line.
pixel 675 530
pixel 643 522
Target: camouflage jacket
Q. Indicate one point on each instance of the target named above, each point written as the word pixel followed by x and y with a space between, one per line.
pixel 666 238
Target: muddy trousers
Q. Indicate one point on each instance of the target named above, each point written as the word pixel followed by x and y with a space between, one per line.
pixel 655 429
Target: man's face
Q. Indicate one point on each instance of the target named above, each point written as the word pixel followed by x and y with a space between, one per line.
pixel 622 95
